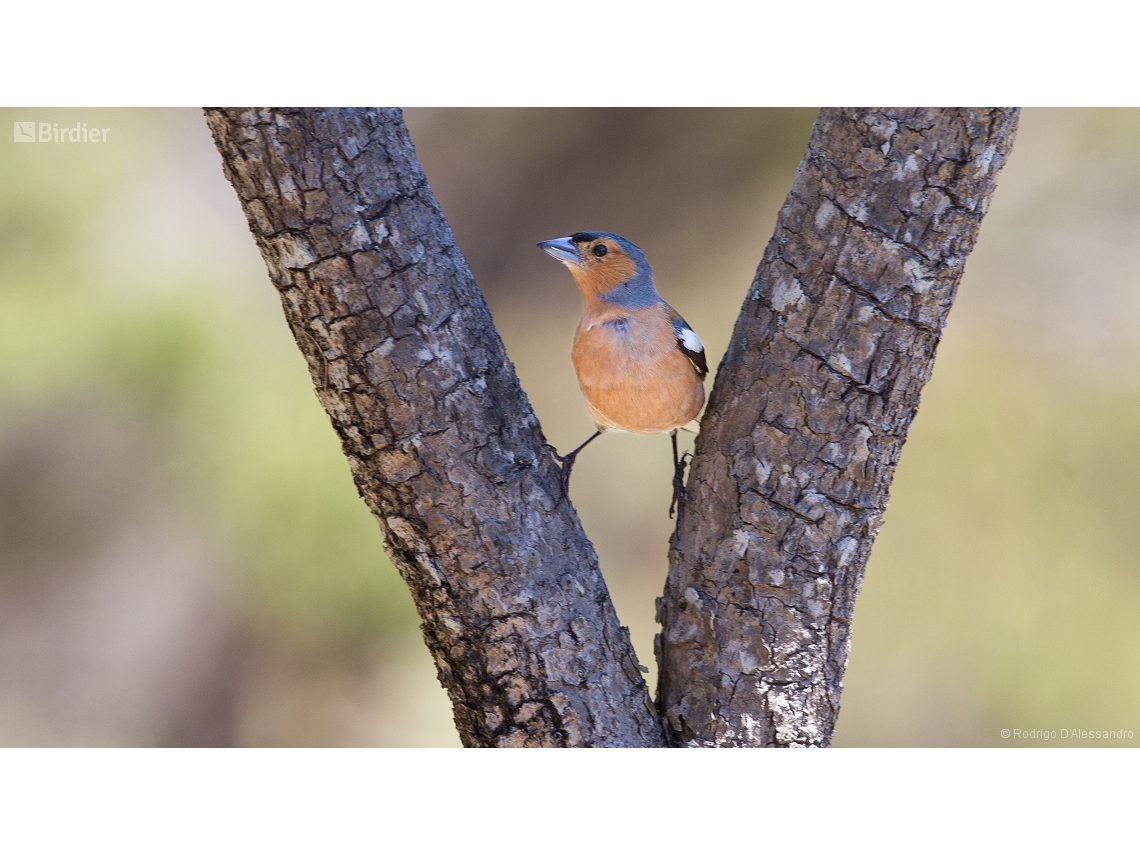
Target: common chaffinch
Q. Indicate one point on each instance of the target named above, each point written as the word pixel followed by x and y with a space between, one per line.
pixel 640 366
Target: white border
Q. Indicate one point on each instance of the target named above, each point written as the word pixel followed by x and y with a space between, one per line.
pixel 429 53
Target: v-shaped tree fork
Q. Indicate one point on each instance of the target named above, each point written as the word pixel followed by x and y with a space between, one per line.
pixel 792 466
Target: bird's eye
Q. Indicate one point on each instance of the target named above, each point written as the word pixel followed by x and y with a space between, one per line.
pixel 600 250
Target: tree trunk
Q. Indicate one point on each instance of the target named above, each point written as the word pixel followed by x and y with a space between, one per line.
pixel 442 442
pixel 792 468
pixel 807 418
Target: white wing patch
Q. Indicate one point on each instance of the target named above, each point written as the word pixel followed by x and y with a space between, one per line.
pixel 691 346
pixel 689 339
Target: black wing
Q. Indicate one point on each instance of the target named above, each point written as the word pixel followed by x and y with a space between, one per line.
pixel 691 346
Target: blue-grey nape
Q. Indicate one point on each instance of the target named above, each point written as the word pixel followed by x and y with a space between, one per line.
pixel 635 293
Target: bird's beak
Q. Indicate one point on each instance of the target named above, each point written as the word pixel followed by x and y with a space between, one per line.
pixel 563 248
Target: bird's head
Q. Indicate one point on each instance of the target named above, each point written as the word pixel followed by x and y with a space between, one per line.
pixel 606 265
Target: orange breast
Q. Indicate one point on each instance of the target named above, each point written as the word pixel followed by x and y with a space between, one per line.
pixel 632 374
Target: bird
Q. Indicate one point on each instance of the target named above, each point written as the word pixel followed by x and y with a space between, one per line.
pixel 640 366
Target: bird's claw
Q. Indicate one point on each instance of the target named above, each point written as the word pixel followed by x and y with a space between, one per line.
pixel 678 502
pixel 565 464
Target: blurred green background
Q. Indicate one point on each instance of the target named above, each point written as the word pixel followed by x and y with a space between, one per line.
pixel 184 559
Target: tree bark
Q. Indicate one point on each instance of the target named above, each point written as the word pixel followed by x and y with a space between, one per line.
pixel 807 418
pixel 441 440
pixel 793 464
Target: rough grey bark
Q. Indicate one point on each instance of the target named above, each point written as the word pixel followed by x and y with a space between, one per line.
pixel 793 465
pixel 807 418
pixel 442 442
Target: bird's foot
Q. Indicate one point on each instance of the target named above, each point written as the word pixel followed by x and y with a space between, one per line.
pixel 565 464
pixel 678 502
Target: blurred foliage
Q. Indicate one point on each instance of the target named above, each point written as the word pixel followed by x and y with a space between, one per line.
pixel 201 361
pixel 184 558
pixel 193 359
pixel 1003 590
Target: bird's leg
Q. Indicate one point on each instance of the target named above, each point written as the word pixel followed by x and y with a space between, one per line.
pixel 678 477
pixel 566 461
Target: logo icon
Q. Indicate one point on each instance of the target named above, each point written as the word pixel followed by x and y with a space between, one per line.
pixel 24 131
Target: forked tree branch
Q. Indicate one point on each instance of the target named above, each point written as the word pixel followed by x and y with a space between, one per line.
pixel 793 464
